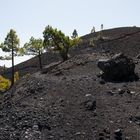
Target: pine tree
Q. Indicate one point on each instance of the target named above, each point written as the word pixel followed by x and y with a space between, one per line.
pixel 93 30
pixel 57 39
pixel 74 34
pixel 11 44
pixel 34 47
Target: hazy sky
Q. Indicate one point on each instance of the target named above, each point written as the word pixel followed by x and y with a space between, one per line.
pixel 29 17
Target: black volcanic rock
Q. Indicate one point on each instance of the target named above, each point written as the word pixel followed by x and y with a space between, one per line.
pixel 119 67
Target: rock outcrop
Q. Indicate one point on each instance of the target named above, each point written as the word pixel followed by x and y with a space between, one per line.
pixel 119 67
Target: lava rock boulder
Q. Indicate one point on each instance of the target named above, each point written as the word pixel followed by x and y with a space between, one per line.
pixel 89 102
pixel 119 67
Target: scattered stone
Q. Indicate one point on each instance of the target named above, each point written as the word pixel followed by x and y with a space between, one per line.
pixel 51 137
pixel 87 95
pixel 107 131
pixel 111 121
pixel 101 134
pixel 101 138
pixel 78 133
pixel 102 82
pixel 64 78
pixel 128 91
pixel 137 116
pixel 118 134
pixel 90 103
pixel 35 127
pixel 100 74
pixel 132 92
pixel 136 62
pixel 111 93
pixel 138 56
pixel 127 138
pixel 121 91
pixel 138 107
pixel 32 91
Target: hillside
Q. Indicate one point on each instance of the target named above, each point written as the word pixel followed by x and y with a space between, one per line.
pixel 126 40
pixel 71 102
pixel 118 41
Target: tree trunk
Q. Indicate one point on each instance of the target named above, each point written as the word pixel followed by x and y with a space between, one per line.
pixel 64 53
pixel 40 62
pixel 12 81
pixel 65 57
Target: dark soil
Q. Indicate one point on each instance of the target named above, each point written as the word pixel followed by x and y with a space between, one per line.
pixel 72 102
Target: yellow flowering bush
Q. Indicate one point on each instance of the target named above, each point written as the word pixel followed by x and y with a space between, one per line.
pixel 4 83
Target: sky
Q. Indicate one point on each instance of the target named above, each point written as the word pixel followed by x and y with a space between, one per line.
pixel 30 17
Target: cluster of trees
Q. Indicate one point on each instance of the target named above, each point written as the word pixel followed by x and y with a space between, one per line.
pixel 57 39
pixel 93 29
pixel 53 38
pixel 99 36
